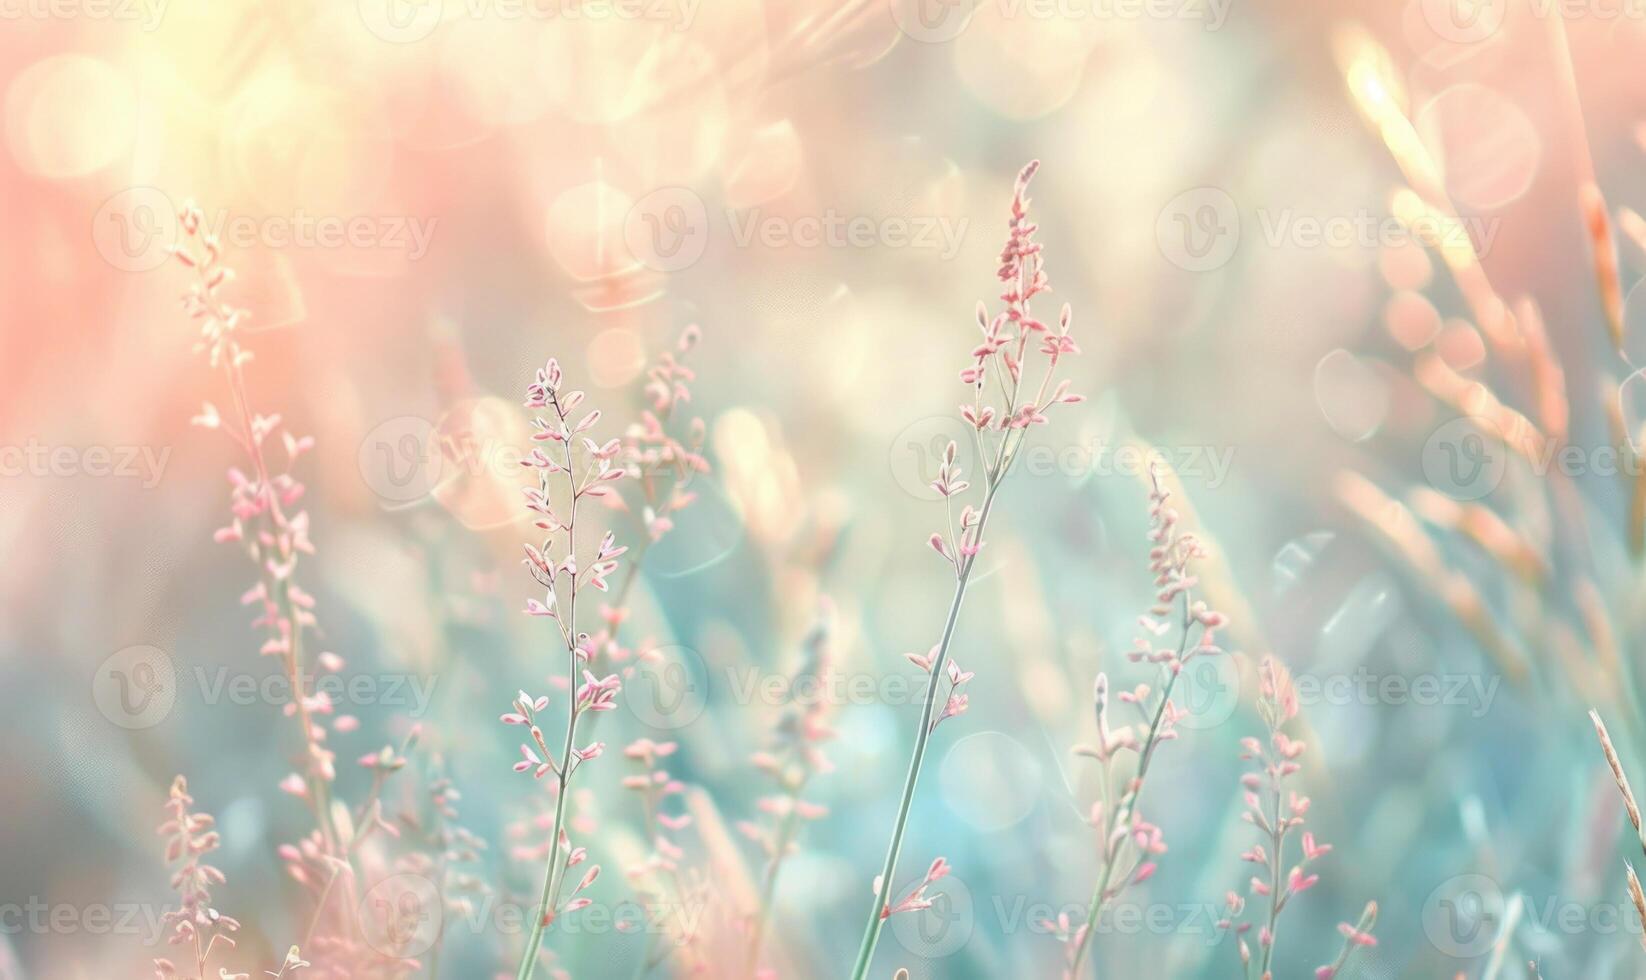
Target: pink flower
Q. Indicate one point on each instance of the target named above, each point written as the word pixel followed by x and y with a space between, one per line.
pixel 1355 936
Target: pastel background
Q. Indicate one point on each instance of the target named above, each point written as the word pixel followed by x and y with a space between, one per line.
pixel 424 203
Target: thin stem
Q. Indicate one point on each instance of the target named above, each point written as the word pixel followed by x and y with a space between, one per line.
pixel 768 885
pixel 644 965
pixel 1128 802
pixel 528 961
pixel 871 934
pixel 1278 839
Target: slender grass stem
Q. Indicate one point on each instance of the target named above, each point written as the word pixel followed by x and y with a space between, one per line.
pixel 1128 803
pixel 871 935
pixel 534 941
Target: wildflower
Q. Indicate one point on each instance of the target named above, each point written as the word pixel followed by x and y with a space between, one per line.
pixel 195 923
pixel 562 574
pixel 1278 812
pixel 794 758
pixel 999 367
pixel 1126 839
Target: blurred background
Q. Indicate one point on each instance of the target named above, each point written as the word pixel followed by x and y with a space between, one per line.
pixel 1359 272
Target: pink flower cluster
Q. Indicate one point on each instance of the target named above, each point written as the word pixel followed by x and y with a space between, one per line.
pixel 793 758
pixel 660 878
pixel 916 900
pixel 999 369
pixel 1127 842
pixel 1002 356
pixel 261 503
pixel 594 695
pixel 955 702
pixel 1279 813
pixel 663 466
pixel 192 836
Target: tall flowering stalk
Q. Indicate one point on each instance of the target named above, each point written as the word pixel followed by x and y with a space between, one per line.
pixel 1005 403
pixel 662 466
pixel 660 878
pixel 562 579
pixel 1127 841
pixel 1278 813
pixel 265 519
pixel 1632 809
pixel 450 856
pixel 794 756
pixel 190 837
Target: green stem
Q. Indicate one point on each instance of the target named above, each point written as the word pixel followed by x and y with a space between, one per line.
pixel 528 961
pixel 871 934
pixel 1128 803
pixel 1278 840
pixel 768 885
